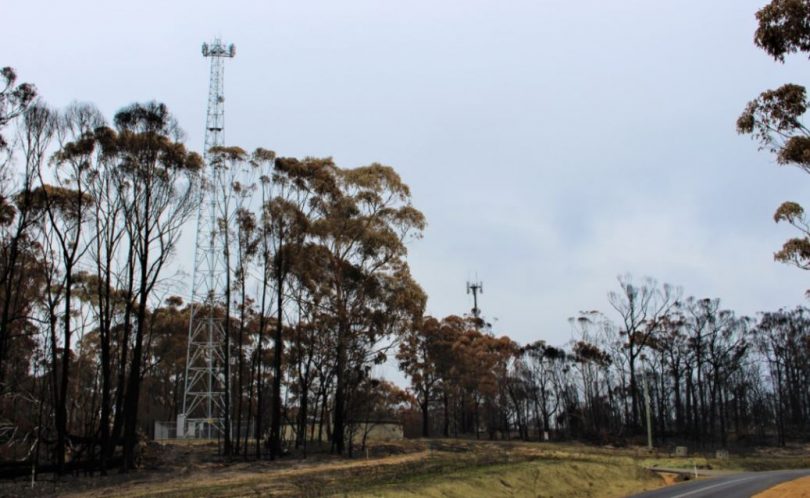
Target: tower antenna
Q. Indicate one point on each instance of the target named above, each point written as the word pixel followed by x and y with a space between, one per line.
pixel 206 392
pixel 475 288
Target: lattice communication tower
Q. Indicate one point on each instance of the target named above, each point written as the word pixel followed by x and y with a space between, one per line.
pixel 205 389
pixel 475 288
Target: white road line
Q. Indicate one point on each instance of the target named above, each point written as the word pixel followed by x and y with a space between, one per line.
pixel 715 486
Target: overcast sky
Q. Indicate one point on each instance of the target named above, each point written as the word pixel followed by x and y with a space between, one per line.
pixel 552 145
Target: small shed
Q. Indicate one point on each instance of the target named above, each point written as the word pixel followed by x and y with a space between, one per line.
pixel 377 430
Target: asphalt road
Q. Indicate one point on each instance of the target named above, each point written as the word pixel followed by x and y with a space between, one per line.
pixel 742 485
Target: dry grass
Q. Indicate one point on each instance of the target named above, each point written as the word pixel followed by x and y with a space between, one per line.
pixel 409 468
pixel 540 478
pixel 758 460
pixel 434 468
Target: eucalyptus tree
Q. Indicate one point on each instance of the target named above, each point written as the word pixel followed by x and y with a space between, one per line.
pixel 774 118
pixel 420 358
pixel 641 309
pixel 262 161
pixel 783 339
pixel 246 248
pixel 727 347
pixel 227 164
pixel 103 291
pixel 541 360
pixel 14 100
pixel 35 135
pixel 673 346
pixel 95 176
pixel 63 209
pixel 160 180
pixel 364 219
pixel 286 225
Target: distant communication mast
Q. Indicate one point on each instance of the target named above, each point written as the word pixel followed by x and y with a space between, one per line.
pixel 205 388
pixel 475 288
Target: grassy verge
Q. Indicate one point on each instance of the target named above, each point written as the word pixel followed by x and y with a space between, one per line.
pixel 462 470
pixel 542 478
pixel 439 468
pixel 734 463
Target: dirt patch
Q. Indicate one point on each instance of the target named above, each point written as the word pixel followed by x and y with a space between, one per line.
pixel 254 477
pixel 670 478
pixel 798 488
